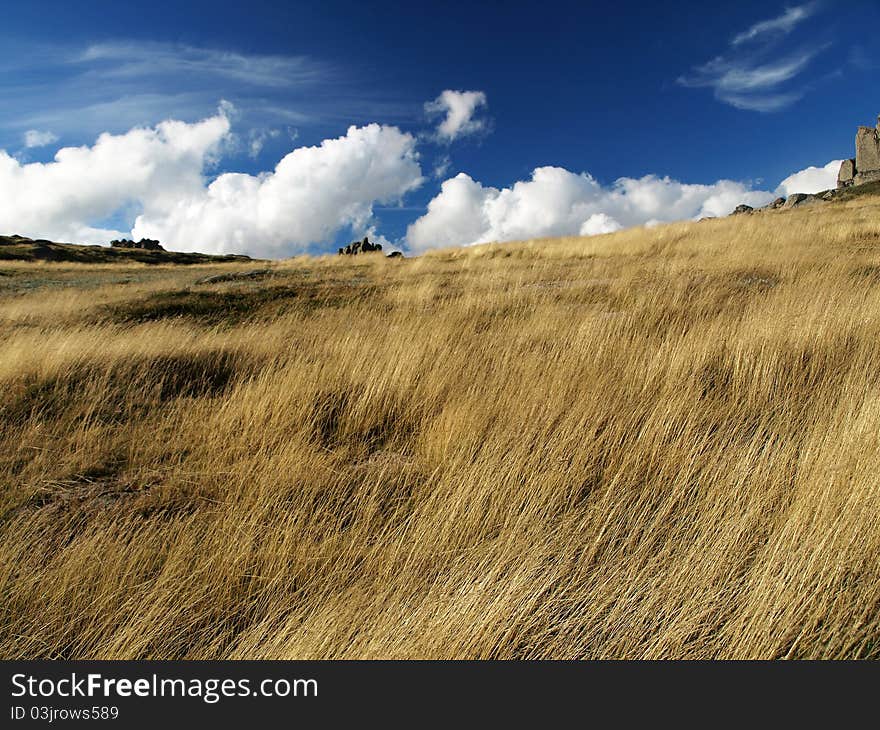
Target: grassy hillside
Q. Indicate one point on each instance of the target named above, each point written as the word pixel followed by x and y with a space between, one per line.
pixel 21 248
pixel 657 443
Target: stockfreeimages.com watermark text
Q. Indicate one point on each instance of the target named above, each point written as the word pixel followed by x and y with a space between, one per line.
pixel 209 690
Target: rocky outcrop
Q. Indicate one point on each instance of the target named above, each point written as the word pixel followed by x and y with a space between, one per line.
pixel 21 248
pixel 778 203
pixel 868 148
pixel 865 167
pixel 353 249
pixel 145 244
pixel 862 169
pixel 795 199
pixel 741 209
pixel 847 173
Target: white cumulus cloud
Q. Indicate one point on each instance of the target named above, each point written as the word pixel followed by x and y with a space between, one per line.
pixel 312 193
pixel 36 138
pixel 66 198
pixel 811 180
pixel 599 223
pixel 558 202
pixel 159 173
pixel 458 109
pixel 157 177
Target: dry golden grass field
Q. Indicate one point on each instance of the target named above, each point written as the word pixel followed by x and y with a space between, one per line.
pixel 660 443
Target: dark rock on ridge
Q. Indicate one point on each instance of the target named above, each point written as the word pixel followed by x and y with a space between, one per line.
pixel 353 249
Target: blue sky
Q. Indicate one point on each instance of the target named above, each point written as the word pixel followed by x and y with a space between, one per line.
pixel 748 92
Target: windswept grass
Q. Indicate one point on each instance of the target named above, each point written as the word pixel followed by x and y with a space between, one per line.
pixel 658 443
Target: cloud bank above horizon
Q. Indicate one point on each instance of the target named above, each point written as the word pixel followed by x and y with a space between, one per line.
pixel 158 179
pixel 558 202
pixel 158 174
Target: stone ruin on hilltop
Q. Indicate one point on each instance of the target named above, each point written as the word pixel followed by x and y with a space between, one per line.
pixel 145 244
pixel 865 167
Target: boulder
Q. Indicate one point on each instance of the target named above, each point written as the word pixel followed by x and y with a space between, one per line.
pixel 741 209
pixel 847 173
pixel 778 203
pixel 395 255
pixel 795 199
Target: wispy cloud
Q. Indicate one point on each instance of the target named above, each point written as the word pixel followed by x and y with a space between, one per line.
pixel 257 139
pixel 762 102
pixel 754 73
pixel 780 25
pixel 441 166
pixel 81 91
pixel 746 84
pixel 860 59
pixel 136 60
